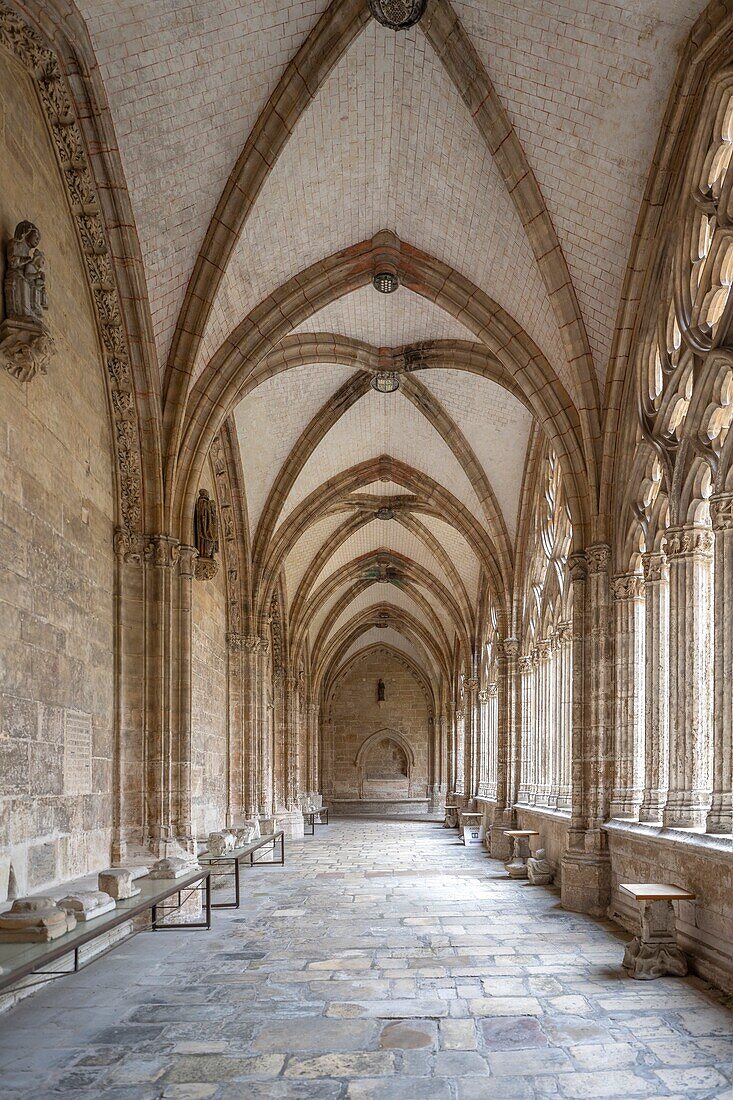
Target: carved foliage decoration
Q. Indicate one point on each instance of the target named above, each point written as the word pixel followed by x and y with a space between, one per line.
pixel 43 67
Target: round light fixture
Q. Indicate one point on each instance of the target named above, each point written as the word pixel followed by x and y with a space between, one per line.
pixel 397 14
pixel 385 381
pixel 386 282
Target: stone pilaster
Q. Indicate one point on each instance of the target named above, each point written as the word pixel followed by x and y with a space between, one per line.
pixel 251 692
pixel 689 551
pixel 720 816
pixel 182 741
pixel 459 724
pixel 628 756
pixel 236 749
pixel 656 686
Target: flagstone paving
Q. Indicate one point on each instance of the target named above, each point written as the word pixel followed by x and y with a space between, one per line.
pixel 385 961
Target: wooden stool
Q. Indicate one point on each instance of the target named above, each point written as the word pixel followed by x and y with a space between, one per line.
pixel 655 951
pixel 517 866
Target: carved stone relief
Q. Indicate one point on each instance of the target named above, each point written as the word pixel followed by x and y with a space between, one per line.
pixel 26 345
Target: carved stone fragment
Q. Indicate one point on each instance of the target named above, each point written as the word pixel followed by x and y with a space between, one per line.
pixel 25 343
pixel 35 920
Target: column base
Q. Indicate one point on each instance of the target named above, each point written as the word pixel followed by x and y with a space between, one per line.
pixel 585 882
pixel 720 816
pixel 645 961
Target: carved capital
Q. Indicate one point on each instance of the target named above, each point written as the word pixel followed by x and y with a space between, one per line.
pixel 472 684
pixel 509 647
pixel 654 567
pixel 252 643
pixel 186 560
pixel 161 551
pixel 689 541
pixel 483 696
pixel 721 511
pixel 236 643
pixel 544 649
pixel 598 557
pixel 526 663
pixel 564 632
pixel 628 586
pixel 577 568
pixel 493 690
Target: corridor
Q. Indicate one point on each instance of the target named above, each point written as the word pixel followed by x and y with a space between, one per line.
pixel 384 962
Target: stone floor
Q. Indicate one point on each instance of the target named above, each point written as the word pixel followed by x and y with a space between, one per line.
pixel 385 961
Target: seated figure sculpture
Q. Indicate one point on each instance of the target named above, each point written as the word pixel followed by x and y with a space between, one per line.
pixel 35 920
pixel 539 871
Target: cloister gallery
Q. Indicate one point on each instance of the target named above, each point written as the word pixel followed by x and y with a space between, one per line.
pixel 366 383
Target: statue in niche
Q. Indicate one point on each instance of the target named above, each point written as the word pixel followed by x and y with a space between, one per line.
pixel 25 342
pixel 206 535
pixel 380 691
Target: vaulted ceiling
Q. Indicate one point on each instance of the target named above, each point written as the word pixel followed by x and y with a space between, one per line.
pixel 391 139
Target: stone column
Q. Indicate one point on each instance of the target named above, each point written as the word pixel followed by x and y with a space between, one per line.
pixel 689 551
pixel 236 796
pixel 264 732
pixel 586 871
pixel 492 718
pixel 315 716
pixel 472 759
pixel 628 762
pixel 656 686
pixel 460 734
pixel 182 794
pixel 251 730
pixel 544 715
pixel 506 777
pixel 564 711
pixel 526 679
pixel 485 761
pixel 720 817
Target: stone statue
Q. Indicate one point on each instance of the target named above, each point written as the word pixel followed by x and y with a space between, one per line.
pixel 25 275
pixel 380 691
pixel 25 342
pixel 539 871
pixel 206 526
pixel 206 536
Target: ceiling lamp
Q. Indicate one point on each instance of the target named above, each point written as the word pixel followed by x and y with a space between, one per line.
pixel 385 381
pixel 386 282
pixel 397 14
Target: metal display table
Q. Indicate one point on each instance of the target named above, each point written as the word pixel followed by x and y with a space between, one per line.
pixel 19 960
pixel 236 856
pixel 309 818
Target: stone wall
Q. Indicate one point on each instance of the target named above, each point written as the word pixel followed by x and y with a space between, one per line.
pixel 56 557
pixel 356 714
pixel 699 863
pixel 209 698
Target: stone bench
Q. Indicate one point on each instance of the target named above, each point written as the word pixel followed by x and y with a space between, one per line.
pixel 654 952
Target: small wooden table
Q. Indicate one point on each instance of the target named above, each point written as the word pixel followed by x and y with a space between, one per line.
pixel 655 952
pixel 472 826
pixel 314 817
pixel 451 816
pixel 516 866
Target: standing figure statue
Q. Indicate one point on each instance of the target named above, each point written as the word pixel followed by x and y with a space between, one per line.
pixel 25 275
pixel 206 526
